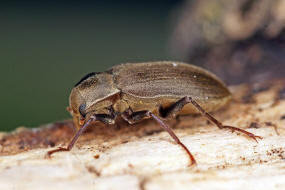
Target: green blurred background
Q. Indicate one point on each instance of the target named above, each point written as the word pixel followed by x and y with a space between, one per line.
pixel 46 48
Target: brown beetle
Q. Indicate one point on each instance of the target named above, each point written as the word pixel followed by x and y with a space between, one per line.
pixel 158 90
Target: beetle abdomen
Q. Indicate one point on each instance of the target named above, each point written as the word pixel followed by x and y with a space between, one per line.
pixel 168 79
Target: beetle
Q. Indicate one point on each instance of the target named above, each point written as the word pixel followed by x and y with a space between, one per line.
pixel 136 91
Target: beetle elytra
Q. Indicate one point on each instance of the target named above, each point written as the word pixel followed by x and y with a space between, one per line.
pixel 157 90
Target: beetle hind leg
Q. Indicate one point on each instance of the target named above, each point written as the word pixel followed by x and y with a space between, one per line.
pixel 175 108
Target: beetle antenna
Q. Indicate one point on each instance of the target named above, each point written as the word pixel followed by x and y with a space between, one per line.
pixel 75 138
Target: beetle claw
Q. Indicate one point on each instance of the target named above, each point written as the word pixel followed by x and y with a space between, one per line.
pixel 59 149
pixel 255 137
pixel 249 134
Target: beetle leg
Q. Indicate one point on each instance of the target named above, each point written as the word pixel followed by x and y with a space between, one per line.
pixel 177 121
pixel 104 118
pixel 173 110
pixel 176 107
pixel 132 117
pixel 113 113
pixel 72 142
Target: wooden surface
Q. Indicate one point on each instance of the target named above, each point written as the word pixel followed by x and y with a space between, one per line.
pixel 144 157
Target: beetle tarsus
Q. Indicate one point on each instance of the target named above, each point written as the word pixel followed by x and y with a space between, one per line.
pixel 59 149
pixel 250 135
pixel 192 159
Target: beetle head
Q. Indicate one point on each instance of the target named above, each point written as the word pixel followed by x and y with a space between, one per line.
pixel 90 95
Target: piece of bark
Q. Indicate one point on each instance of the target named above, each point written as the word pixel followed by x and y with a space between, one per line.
pixel 144 157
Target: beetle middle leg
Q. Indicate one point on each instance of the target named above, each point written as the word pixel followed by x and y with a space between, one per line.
pixel 133 117
pixel 175 108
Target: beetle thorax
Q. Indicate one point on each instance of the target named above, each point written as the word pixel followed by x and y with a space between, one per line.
pixel 93 91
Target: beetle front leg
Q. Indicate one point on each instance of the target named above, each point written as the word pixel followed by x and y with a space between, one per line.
pixel 133 117
pixel 104 118
pixel 177 107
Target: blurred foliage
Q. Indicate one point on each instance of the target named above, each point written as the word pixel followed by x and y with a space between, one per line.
pixel 47 47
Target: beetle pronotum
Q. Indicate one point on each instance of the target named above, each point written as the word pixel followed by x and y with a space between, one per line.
pixel 157 90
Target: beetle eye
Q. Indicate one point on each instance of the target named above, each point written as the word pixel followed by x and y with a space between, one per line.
pixel 82 110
